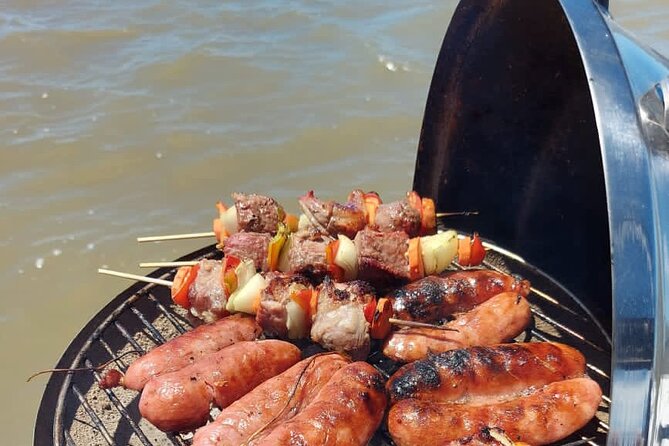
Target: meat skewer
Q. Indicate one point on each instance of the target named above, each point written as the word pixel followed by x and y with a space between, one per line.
pixel 285 305
pixel 258 213
pixel 379 258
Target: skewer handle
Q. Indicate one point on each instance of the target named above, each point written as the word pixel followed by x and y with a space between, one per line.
pixel 135 277
pixel 166 264
pixel 456 214
pixel 160 238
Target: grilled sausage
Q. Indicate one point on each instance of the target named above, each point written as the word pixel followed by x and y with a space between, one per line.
pixel 434 298
pixel 188 348
pixel 543 416
pixel 499 319
pixel 469 374
pixel 271 399
pixel 181 400
pixel 347 411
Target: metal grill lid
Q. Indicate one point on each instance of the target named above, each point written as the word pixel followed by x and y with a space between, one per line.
pixel 548 119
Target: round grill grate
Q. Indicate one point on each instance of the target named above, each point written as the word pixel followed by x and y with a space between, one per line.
pixel 75 411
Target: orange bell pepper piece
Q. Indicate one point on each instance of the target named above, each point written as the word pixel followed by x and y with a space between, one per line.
pixel 416 268
pixel 428 222
pixel 372 203
pixel 381 319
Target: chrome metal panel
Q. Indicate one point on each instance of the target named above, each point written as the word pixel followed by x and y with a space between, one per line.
pixel 638 326
pixel 523 95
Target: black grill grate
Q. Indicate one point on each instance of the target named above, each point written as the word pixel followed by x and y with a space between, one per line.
pixel 75 411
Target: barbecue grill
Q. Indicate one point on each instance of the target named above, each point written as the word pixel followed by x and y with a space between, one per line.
pixel 551 122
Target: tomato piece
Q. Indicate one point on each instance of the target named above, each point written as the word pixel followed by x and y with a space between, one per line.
pixel 464 251
pixel 184 278
pixel 477 251
pixel 369 309
pixel 230 262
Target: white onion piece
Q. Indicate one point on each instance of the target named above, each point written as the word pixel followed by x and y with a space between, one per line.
pixel 303 223
pixel 229 220
pixel 245 298
pixel 347 257
pixel 296 321
pixel 438 251
pixel 244 272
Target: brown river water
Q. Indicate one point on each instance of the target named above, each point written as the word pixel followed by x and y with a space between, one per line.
pixel 123 119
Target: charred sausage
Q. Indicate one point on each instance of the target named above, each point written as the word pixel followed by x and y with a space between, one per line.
pixel 434 298
pixel 543 416
pixel 276 400
pixel 347 411
pixel 181 400
pixel 470 374
pixel 186 349
pixel 497 320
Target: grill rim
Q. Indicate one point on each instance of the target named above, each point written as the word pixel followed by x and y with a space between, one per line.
pixel 50 427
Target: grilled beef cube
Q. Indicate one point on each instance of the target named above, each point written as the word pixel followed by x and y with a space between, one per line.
pixel 398 216
pixel 335 218
pixel 206 295
pixel 339 323
pixel 382 256
pixel 248 246
pixel 306 254
pixel 272 315
pixel 257 213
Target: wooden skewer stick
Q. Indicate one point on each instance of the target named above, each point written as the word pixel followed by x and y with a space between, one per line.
pixel 168 283
pixel 167 264
pixel 456 214
pixel 414 324
pixel 160 238
pixel 136 277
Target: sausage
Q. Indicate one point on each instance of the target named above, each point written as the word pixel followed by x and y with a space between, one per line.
pixel 469 374
pixel 236 423
pixel 543 416
pixel 181 400
pixel 434 298
pixel 347 411
pixel 188 348
pixel 499 319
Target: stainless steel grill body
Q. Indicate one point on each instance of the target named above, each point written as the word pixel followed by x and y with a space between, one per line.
pixel 548 119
